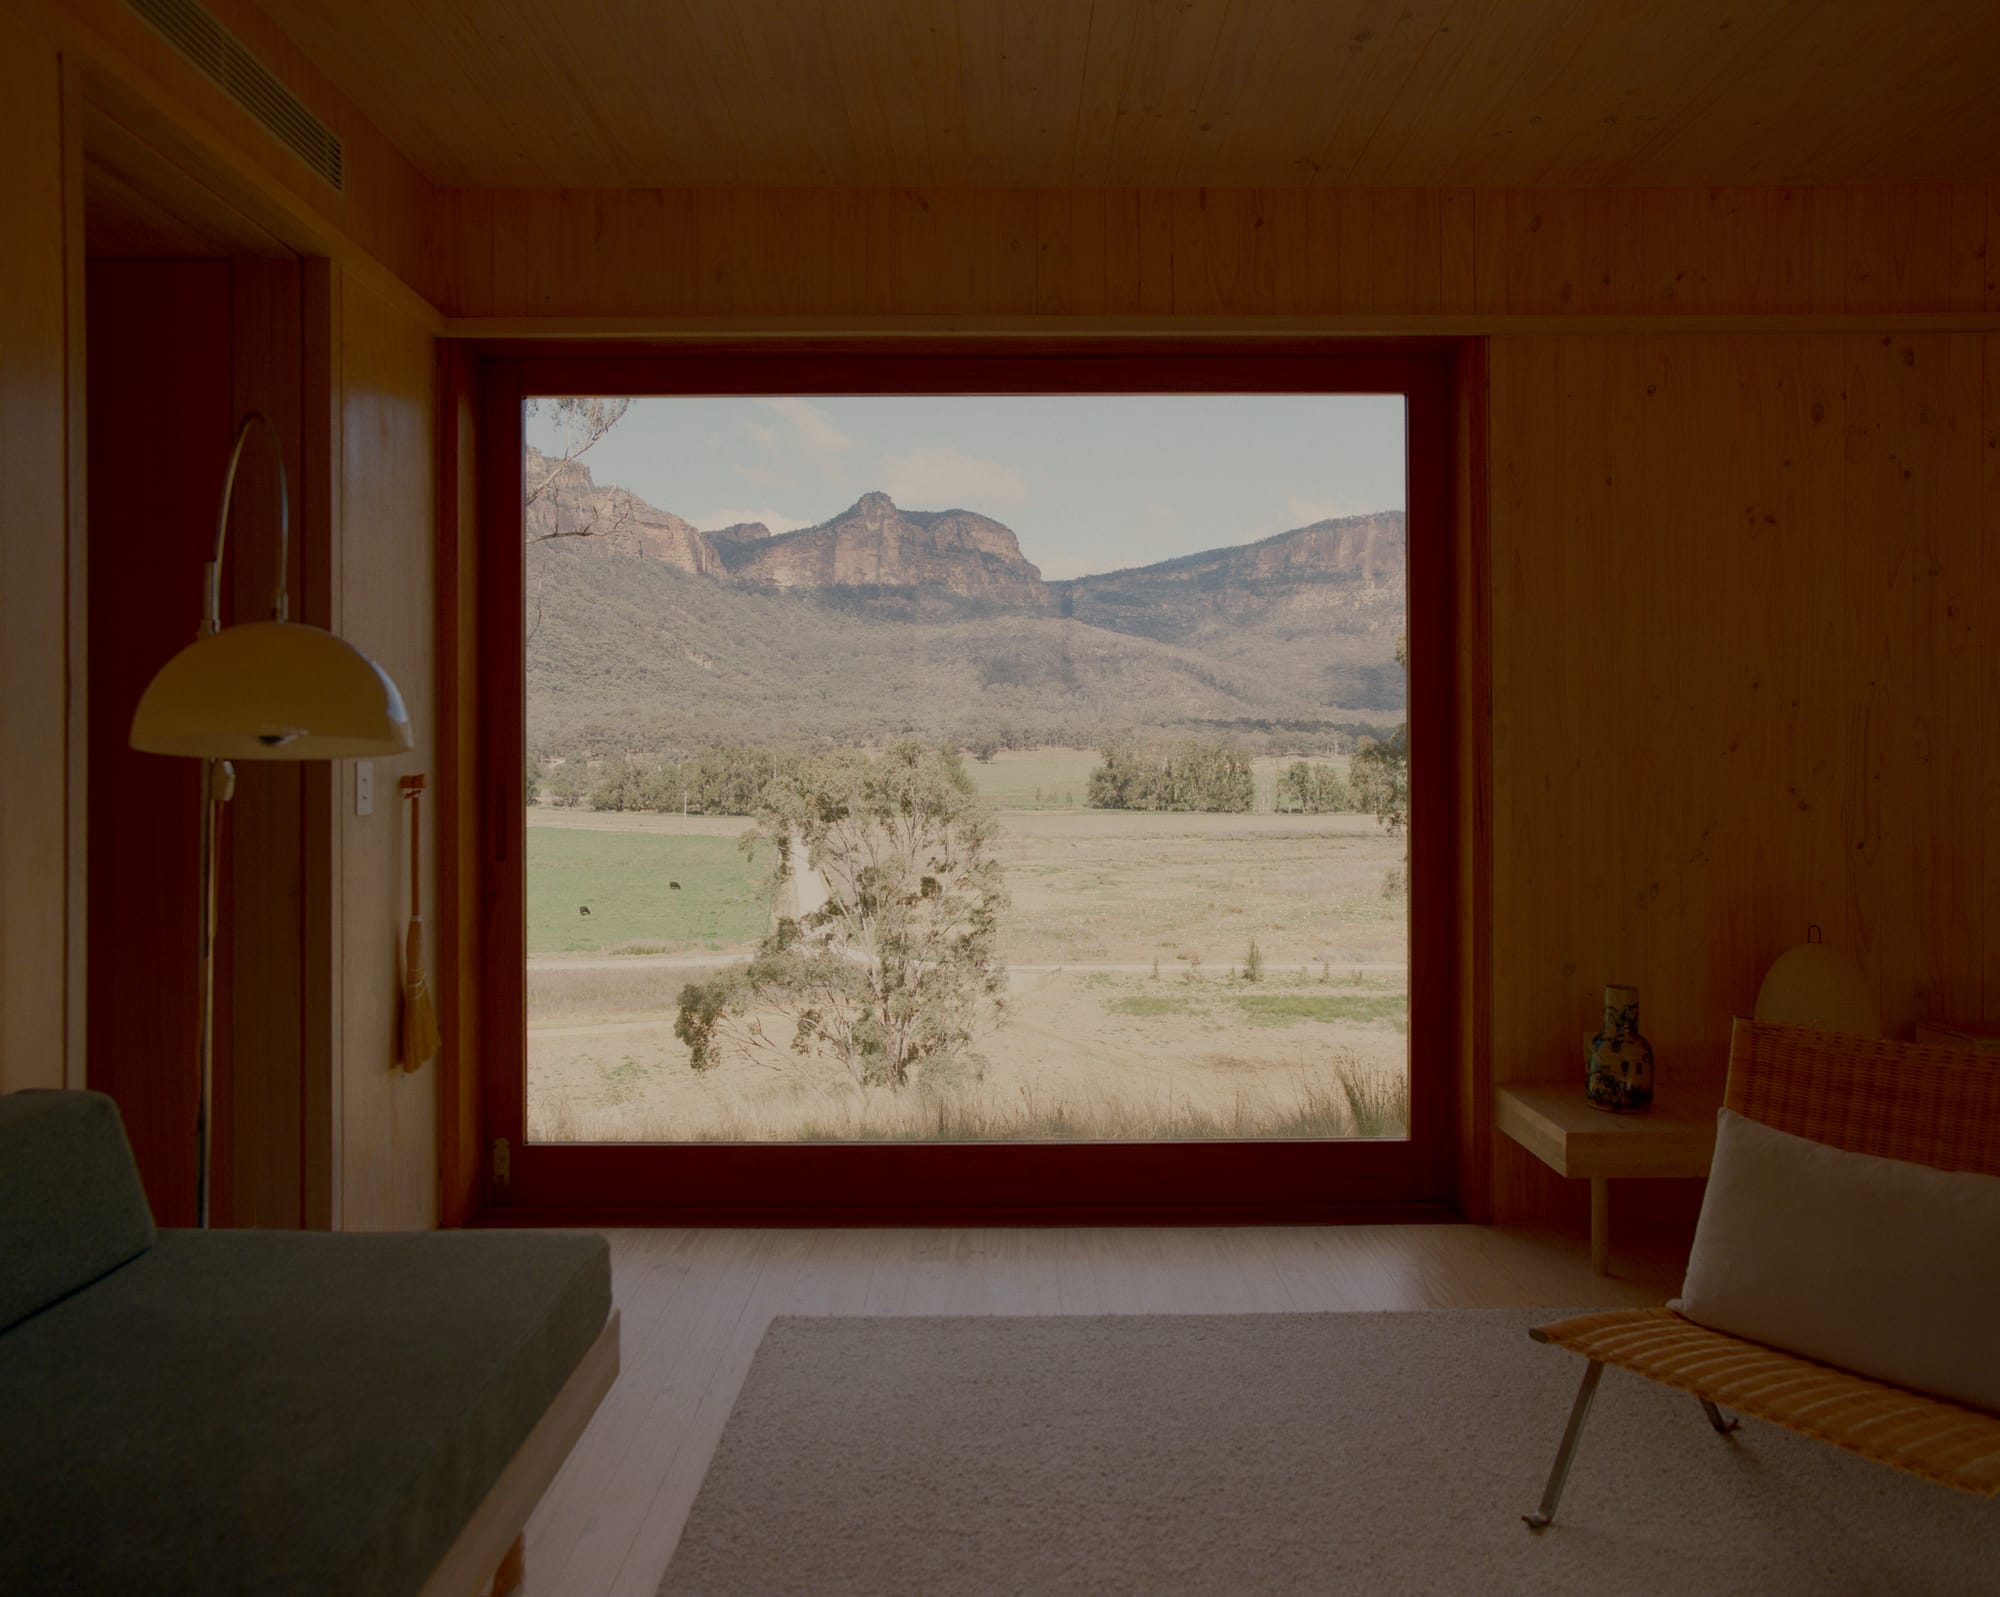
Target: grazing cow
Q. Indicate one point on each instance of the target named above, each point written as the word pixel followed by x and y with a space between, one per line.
pixel 676 886
pixel 583 909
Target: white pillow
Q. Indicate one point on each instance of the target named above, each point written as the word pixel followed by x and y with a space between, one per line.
pixel 1879 1266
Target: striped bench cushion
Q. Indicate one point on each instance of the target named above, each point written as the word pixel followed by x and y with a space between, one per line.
pixel 1925 1436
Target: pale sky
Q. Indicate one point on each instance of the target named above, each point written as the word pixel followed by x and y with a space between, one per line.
pixel 1087 482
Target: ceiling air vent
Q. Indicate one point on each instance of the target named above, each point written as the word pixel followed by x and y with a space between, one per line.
pixel 247 81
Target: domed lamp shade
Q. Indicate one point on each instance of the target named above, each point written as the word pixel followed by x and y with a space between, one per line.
pixel 271 690
pixel 1813 985
pixel 266 690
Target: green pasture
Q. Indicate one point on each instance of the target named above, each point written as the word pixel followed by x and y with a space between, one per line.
pixel 1283 1009
pixel 1147 1006
pixel 622 877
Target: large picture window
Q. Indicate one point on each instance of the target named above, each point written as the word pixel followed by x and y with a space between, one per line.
pixel 948 782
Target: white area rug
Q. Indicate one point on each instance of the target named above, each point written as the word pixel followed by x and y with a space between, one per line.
pixel 1327 1454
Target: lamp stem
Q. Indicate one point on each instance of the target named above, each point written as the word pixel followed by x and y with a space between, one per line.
pixel 218 786
pixel 280 604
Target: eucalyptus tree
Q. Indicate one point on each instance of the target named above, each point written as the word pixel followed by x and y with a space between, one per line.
pixel 890 964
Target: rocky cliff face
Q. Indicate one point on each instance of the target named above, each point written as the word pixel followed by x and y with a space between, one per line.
pixel 1349 572
pixel 738 532
pixel 875 548
pixel 908 561
pixel 608 520
pixel 1342 576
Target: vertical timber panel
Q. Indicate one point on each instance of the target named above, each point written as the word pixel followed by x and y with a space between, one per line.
pixel 457 917
pixel 387 546
pixel 1880 497
pixel 1472 1181
pixel 1987 686
pixel 322 784
pixel 1898 248
pixel 1948 861
pixel 1525 377
pixel 160 410
pixel 1123 257
pixel 1458 248
pixel 813 252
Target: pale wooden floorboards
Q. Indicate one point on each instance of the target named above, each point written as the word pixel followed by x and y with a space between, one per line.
pixel 696 1303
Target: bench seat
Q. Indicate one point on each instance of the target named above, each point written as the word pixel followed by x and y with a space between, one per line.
pixel 289 1412
pixel 1927 1436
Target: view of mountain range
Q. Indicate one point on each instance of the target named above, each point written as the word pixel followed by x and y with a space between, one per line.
pixel 648 634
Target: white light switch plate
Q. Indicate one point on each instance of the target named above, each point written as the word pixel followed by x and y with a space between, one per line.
pixel 364 787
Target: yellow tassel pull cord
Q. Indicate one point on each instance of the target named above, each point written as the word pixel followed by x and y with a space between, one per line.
pixel 418 1037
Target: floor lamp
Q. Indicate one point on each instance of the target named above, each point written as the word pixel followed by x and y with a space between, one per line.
pixel 264 690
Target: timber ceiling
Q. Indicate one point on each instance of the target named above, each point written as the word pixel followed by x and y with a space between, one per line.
pixel 1158 93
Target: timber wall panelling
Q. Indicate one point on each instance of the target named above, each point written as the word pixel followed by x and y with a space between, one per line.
pixel 389 611
pixel 1472 624
pixel 388 496
pixel 461 882
pixel 1746 658
pixel 162 412
pixel 1415 253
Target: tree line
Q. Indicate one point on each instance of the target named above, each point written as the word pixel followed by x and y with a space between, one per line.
pixel 791 724
pixel 1316 790
pixel 1192 774
pixel 1380 777
pixel 727 781
pixel 1215 777
pixel 1376 782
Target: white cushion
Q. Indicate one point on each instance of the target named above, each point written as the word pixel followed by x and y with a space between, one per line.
pixel 1879 1266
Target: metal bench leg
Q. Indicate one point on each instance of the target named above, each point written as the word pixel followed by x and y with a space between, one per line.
pixel 1723 1423
pixel 1579 1411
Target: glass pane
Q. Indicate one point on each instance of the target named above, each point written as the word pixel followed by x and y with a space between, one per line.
pixel 966 768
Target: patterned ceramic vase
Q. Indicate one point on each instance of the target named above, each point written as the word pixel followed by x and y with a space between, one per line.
pixel 1621 1061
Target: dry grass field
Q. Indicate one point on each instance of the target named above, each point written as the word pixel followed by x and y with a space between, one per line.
pixel 1091 1055
pixel 1128 1011
pixel 1124 888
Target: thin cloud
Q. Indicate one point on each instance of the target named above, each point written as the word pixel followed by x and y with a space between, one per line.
pixel 944 477
pixel 813 436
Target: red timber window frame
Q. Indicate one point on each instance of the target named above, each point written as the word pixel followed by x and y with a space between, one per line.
pixel 996 1183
